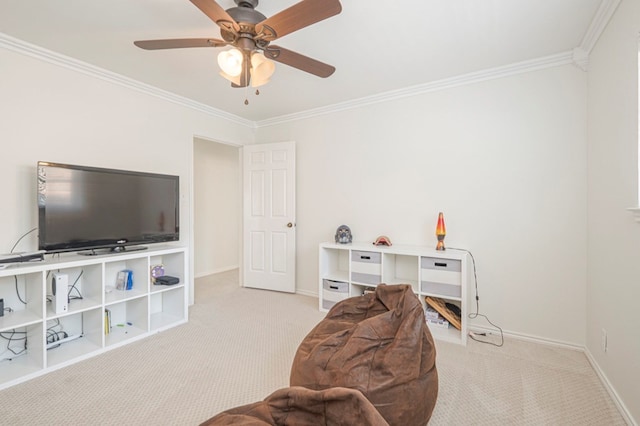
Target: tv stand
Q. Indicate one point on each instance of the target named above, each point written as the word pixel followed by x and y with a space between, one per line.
pixel 99 317
pixel 112 250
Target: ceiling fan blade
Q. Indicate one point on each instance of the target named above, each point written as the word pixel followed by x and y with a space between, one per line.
pixel 299 61
pixel 179 43
pixel 298 16
pixel 217 14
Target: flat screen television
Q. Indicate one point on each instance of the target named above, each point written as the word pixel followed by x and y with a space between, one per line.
pixel 91 209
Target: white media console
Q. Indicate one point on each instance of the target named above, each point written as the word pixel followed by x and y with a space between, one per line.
pixel 98 317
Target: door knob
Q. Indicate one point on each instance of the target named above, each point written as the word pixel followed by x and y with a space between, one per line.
pixel 289 225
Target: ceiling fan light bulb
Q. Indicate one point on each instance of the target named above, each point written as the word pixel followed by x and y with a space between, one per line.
pixel 230 61
pixel 261 69
pixel 262 65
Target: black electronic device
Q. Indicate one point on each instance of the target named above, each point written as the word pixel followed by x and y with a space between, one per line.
pixel 90 208
pixel 33 256
pixel 1 307
pixel 167 280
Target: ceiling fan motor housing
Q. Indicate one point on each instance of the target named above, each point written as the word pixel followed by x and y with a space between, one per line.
pixel 247 3
pixel 247 18
pixel 245 12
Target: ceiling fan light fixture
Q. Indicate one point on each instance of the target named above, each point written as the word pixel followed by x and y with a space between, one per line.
pixel 234 79
pixel 230 61
pixel 250 33
pixel 261 69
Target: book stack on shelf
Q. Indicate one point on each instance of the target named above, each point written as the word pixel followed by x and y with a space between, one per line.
pixel 107 321
pixel 434 318
pixel 441 314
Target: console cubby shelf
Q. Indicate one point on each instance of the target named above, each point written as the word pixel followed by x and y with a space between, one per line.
pixel 58 339
pixel 348 270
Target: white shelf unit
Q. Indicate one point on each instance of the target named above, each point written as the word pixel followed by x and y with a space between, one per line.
pixel 348 270
pixel 167 303
pixel 55 340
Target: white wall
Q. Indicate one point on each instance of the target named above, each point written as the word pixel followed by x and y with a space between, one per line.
pixel 217 204
pixel 49 112
pixel 505 160
pixel 614 237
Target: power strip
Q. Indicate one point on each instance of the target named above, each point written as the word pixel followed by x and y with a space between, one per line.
pixel 64 340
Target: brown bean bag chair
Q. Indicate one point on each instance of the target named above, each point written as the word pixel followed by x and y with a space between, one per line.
pixel 299 406
pixel 379 344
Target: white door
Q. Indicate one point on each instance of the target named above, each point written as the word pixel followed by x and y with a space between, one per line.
pixel 269 227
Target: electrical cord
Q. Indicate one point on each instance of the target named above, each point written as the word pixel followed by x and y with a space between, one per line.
pixel 73 287
pixel 476 314
pixel 15 277
pixel 53 335
pixel 20 239
pixel 56 324
pixel 12 339
pixel 12 249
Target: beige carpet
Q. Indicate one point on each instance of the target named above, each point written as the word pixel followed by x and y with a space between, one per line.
pixel 238 346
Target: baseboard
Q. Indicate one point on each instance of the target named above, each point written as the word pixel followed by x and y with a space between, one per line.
pixel 622 408
pixel 528 338
pixel 307 293
pixel 216 271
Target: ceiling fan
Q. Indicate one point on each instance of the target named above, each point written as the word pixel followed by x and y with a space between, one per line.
pixel 250 33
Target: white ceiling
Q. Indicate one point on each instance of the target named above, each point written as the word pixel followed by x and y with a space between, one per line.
pixel 376 46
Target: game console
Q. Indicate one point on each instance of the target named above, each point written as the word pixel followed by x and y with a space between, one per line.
pixel 60 290
pixel 167 280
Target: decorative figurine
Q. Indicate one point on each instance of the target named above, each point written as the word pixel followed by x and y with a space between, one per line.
pixel 343 235
pixel 382 240
pixel 440 232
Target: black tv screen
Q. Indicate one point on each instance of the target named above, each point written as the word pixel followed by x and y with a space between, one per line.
pixel 88 208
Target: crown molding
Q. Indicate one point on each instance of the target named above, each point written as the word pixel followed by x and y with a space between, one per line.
pixel 598 24
pixel 579 57
pixel 564 58
pixel 28 49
